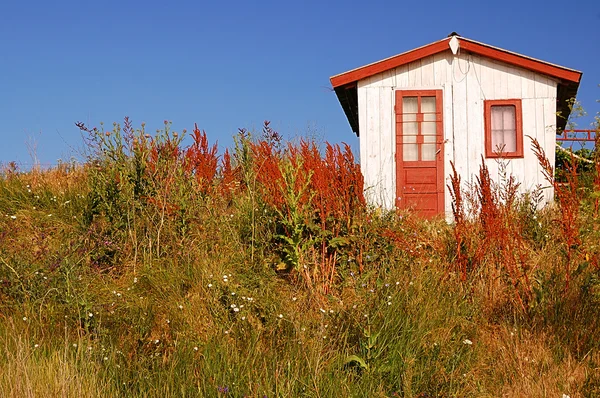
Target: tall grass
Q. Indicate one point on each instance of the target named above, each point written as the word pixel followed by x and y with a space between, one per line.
pixel 160 268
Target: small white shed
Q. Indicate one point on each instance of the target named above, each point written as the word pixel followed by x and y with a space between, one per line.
pixel 452 100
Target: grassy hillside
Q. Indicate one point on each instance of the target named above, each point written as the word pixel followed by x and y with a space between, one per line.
pixel 157 269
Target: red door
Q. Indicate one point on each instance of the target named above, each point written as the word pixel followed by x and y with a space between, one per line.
pixel 419 152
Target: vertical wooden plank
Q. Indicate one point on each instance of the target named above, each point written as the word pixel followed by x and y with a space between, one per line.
pixel 540 135
pixel 527 84
pixel 448 142
pixel 387 145
pixel 500 80
pixel 549 110
pixel 386 79
pixel 531 169
pixel 402 77
pixel 475 75
pixel 385 138
pixel 513 75
pixel 427 72
pixel 486 78
pixel 414 74
pixel 364 135
pixel 373 144
pixel 460 128
pixel 440 68
pixel 541 86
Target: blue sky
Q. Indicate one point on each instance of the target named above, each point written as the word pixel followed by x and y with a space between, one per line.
pixel 226 65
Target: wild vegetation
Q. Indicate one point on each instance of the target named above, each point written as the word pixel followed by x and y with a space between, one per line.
pixel 160 268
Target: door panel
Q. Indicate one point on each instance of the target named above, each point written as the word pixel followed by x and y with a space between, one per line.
pixel 419 152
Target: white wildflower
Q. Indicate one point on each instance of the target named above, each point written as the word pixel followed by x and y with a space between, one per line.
pixel 467 342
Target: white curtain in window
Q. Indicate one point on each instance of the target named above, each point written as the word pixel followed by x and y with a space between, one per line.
pixel 504 128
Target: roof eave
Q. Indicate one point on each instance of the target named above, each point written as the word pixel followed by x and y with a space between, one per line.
pixel 345 84
pixel 374 68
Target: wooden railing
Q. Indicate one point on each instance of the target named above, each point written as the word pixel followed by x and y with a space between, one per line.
pixel 577 135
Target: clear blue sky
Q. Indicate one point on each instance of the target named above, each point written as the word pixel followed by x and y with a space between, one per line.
pixel 226 65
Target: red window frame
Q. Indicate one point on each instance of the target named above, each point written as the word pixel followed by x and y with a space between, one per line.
pixel 493 152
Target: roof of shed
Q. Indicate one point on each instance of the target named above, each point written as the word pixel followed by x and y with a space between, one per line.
pixel 345 84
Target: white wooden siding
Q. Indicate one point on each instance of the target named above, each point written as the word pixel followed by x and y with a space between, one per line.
pixel 466 80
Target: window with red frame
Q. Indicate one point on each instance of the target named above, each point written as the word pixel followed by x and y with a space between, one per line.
pixel 503 128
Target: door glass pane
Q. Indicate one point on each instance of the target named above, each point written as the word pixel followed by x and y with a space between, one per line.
pixel 428 105
pixel 429 138
pixel 428 152
pixel 429 117
pixel 410 152
pixel 410 105
pixel 428 128
pixel 410 148
pixel 409 126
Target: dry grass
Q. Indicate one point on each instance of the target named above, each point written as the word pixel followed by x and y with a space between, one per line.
pixel 29 369
pixel 520 363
